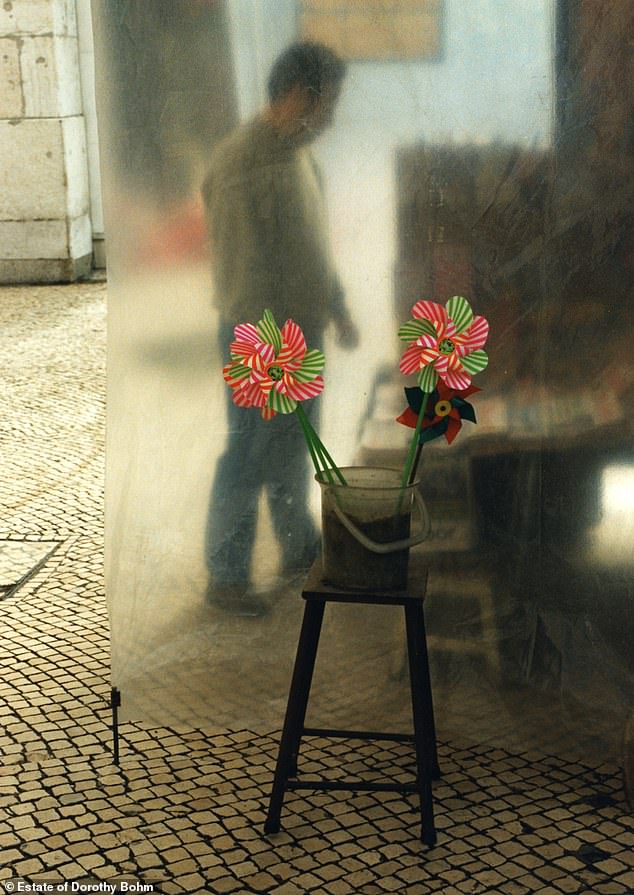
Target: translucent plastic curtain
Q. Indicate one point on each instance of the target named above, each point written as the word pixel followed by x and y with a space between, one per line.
pixel 497 169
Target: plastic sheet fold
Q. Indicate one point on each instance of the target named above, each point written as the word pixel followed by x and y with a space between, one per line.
pixel 500 170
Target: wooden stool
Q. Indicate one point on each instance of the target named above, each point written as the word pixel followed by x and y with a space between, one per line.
pixel 317 593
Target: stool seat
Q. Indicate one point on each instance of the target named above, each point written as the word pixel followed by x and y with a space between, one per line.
pixel 316 593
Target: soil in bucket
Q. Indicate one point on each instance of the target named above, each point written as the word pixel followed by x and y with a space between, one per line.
pixel 348 564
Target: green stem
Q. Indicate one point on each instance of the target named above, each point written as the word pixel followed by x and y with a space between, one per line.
pixel 318 450
pixel 330 463
pixel 409 470
pixel 303 420
pixel 325 467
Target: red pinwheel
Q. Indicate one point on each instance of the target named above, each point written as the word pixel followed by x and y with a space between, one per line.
pixel 445 410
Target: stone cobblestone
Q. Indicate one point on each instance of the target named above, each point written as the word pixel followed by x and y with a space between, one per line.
pixel 184 812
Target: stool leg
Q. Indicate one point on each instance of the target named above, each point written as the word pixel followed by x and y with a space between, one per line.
pixel 416 653
pixel 295 710
pixel 430 724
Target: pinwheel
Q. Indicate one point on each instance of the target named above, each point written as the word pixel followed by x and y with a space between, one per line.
pixel 273 370
pixel 446 344
pixel 446 408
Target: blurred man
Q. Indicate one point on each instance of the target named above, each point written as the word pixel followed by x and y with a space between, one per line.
pixel 270 249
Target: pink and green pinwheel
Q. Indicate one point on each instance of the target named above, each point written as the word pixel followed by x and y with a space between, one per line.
pixel 444 342
pixel 272 369
pixel 446 345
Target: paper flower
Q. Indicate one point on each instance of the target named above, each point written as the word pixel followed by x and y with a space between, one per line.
pixel 445 342
pixel 446 408
pixel 271 368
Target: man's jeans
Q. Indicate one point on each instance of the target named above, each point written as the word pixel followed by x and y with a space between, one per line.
pixel 259 454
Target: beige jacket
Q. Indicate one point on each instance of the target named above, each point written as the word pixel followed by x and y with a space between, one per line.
pixel 268 233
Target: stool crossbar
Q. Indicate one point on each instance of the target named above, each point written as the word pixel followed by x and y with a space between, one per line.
pixel 316 594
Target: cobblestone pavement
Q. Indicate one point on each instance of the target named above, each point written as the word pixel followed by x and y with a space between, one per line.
pixel 184 811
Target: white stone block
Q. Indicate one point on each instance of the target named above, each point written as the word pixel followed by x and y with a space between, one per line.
pixel 38 17
pixel 87 76
pixel 76 166
pixel 32 172
pixel 11 93
pixel 33 239
pixel 84 24
pixel 80 236
pixel 39 77
pixel 43 169
pixel 26 16
pixel 50 76
pixel 65 17
pixel 68 76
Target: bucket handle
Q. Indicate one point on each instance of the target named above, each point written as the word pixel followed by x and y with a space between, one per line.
pixel 392 547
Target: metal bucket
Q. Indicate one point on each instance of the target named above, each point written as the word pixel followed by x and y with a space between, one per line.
pixel 366 528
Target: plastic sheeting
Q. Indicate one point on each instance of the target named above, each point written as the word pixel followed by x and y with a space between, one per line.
pixel 500 170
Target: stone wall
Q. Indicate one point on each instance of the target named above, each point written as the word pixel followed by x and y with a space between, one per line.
pixel 45 227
